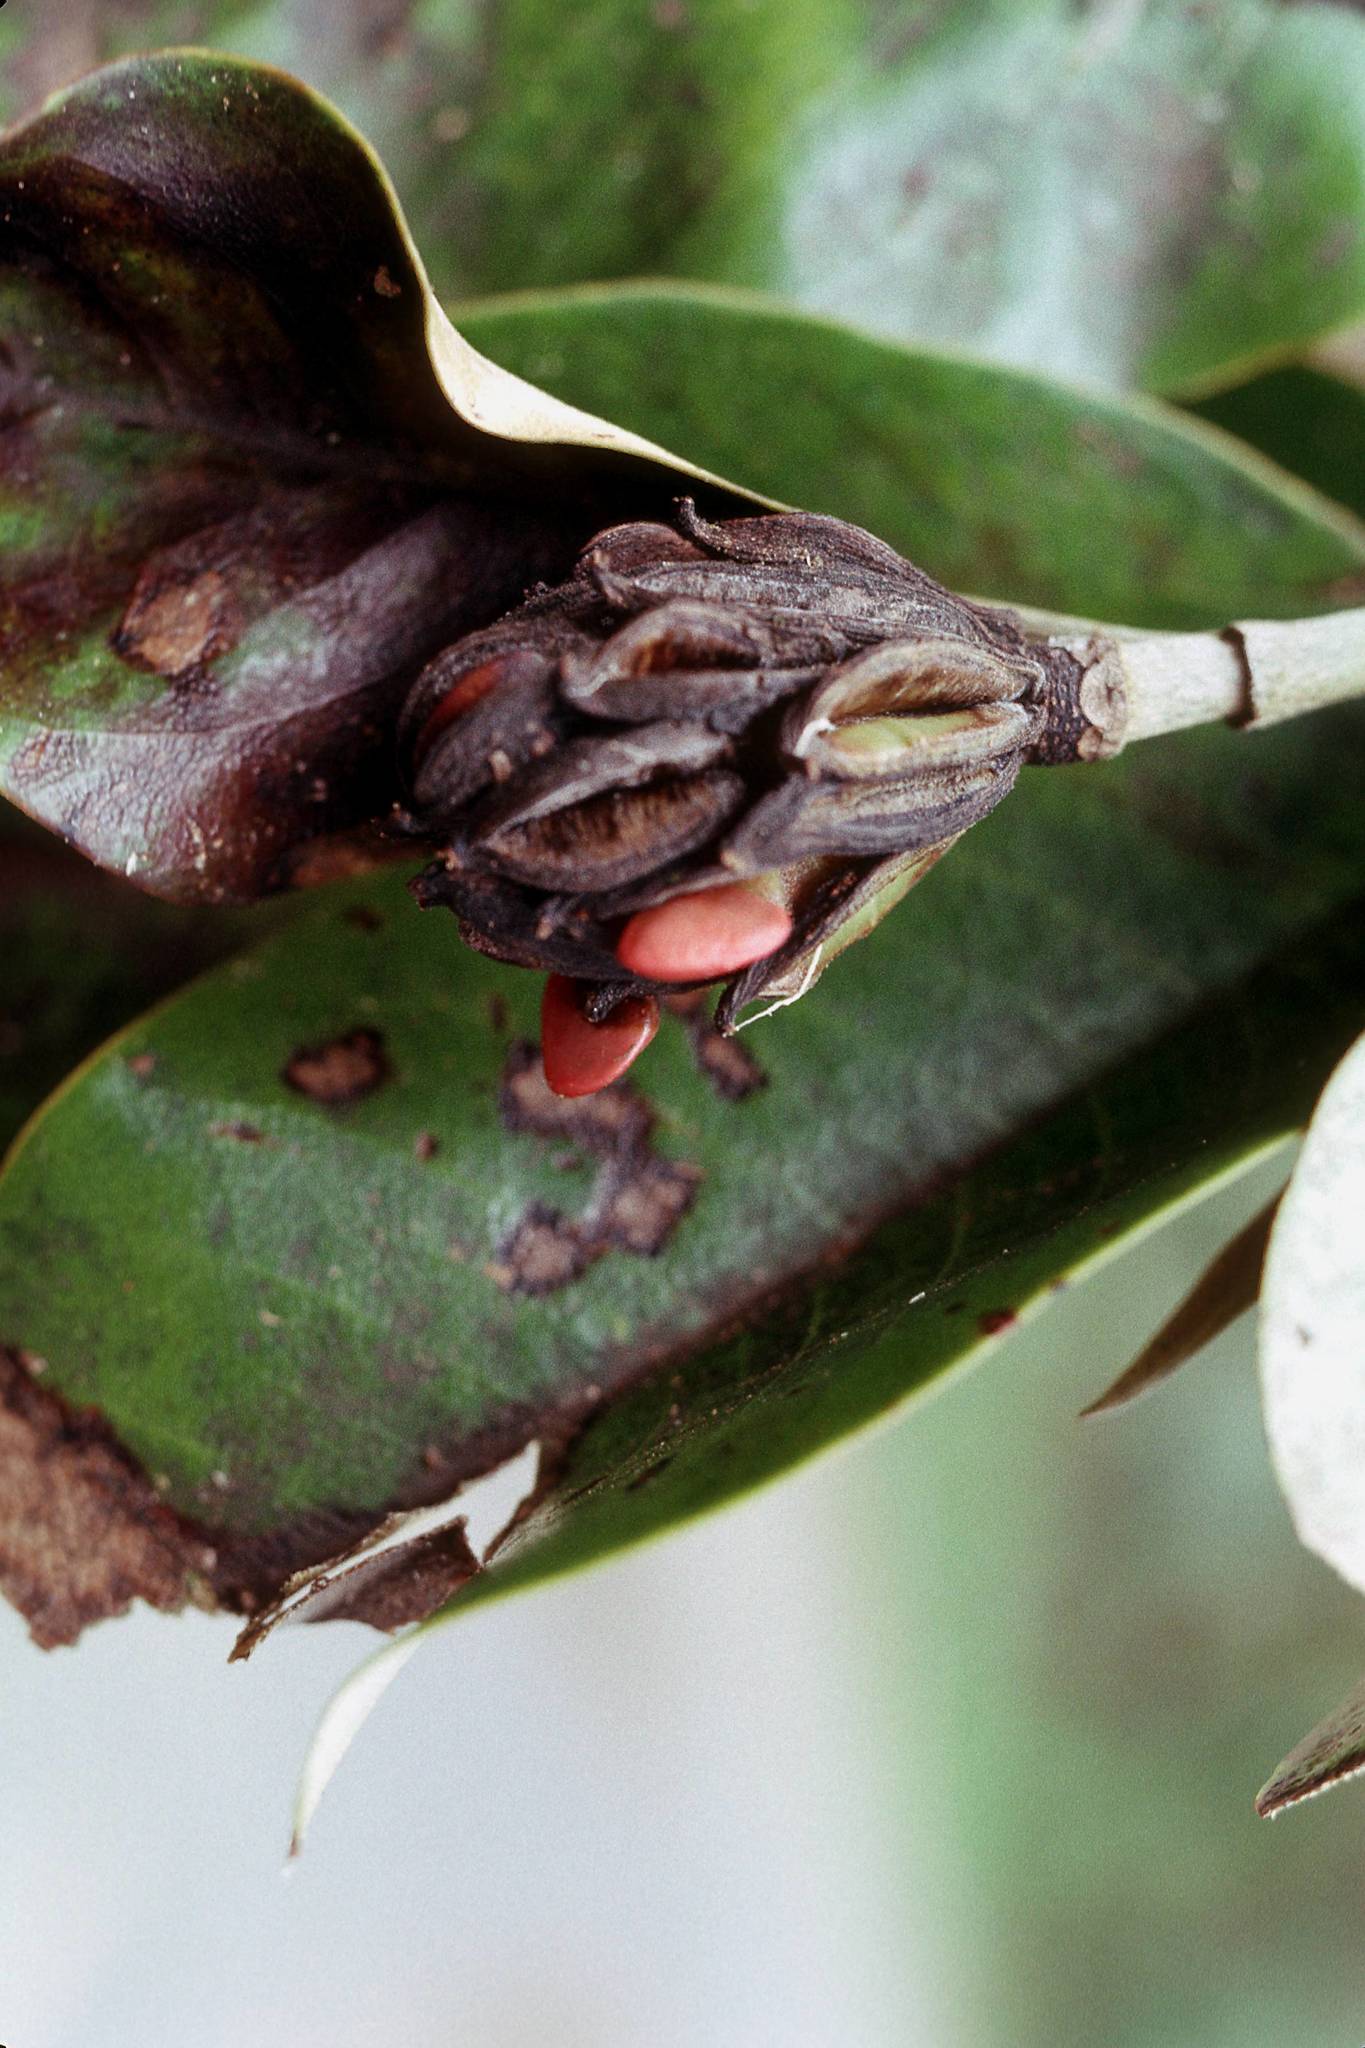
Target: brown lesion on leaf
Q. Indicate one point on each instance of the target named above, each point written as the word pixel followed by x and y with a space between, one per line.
pixel 643 1210
pixel 725 1063
pixel 544 1251
pixel 638 1197
pixel 364 917
pixel 611 1123
pixel 82 1531
pixel 174 626
pixel 340 1071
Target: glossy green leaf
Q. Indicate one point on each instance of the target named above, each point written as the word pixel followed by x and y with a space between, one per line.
pixel 1228 1287
pixel 997 481
pixel 1304 419
pixel 1153 195
pixel 293 1309
pixel 250 478
pixel 938 1288
pixel 82 954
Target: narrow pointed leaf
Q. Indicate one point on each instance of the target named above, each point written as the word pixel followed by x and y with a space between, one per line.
pixel 1330 1754
pixel 1226 1290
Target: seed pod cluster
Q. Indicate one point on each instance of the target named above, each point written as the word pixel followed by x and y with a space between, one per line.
pixel 781 697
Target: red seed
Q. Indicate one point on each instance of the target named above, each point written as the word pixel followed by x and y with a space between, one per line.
pixel 581 1057
pixel 474 684
pixel 703 936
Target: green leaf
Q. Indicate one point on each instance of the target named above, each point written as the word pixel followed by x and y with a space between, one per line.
pixel 1155 196
pixel 324 1314
pixel 315 1247
pixel 994 480
pixel 251 478
pixel 82 955
pixel 932 1291
pixel 1309 422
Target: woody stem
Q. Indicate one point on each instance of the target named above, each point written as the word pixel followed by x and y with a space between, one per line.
pixel 1137 685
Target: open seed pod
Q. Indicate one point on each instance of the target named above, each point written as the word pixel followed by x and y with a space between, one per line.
pixel 267 506
pixel 782 700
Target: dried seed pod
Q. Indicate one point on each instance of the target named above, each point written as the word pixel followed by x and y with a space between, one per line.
pixel 615 837
pixel 687 659
pixel 801 820
pixel 780 696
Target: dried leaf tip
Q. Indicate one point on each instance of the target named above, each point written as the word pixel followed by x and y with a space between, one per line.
pixel 1330 1754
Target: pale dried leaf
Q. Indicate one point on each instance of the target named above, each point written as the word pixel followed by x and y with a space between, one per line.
pixel 344 1716
pixel 1312 1339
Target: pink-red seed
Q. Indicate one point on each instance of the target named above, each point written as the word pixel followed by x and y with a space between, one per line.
pixel 581 1057
pixel 461 697
pixel 703 936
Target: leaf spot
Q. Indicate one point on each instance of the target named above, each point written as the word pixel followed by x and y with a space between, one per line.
pixel 638 1198
pixel 729 1066
pixel 174 625
pixel 343 1071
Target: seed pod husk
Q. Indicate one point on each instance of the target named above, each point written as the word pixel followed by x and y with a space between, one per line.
pixel 782 697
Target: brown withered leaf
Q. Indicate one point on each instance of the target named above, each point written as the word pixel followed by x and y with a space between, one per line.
pixel 251 479
pixel 400 1572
